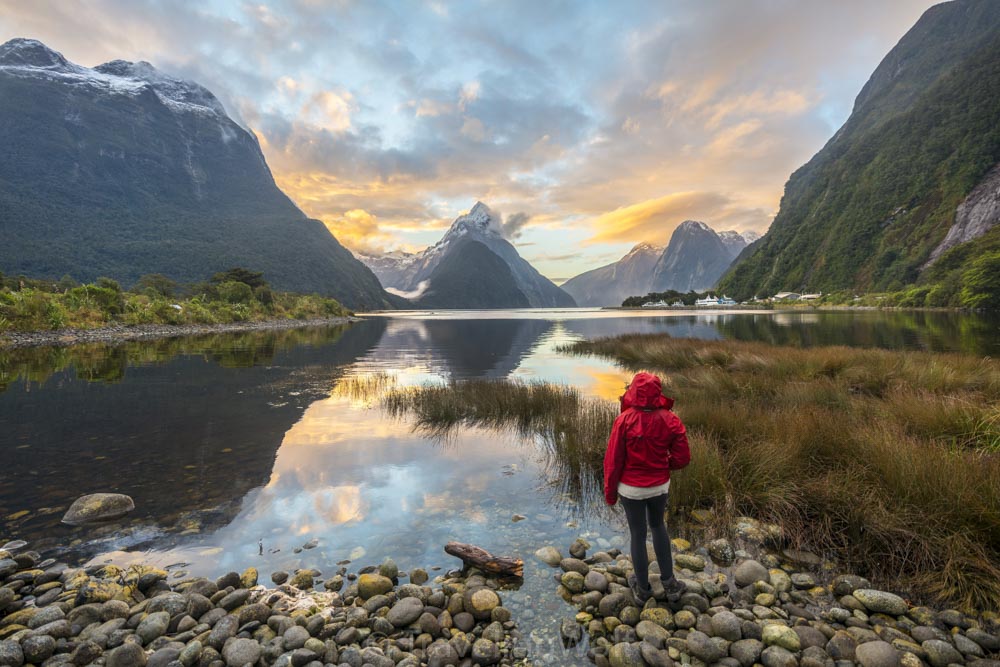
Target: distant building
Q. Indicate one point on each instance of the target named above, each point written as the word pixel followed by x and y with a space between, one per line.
pixel 787 296
pixel 810 297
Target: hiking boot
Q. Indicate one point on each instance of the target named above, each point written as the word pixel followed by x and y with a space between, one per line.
pixel 641 595
pixel 672 589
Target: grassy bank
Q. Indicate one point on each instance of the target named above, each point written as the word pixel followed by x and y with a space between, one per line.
pixel 891 460
pixel 888 461
pixel 234 296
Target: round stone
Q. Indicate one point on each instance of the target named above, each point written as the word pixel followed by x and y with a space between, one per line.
pixel 573 581
pixel 624 654
pixel 721 551
pixel 38 648
pixel 595 581
pixel 778 656
pixel 781 635
pixel 295 637
pixel 480 602
pixel 98 507
pixel 726 624
pixel 877 654
pixel 239 652
pixel 549 555
pixel 11 654
pixel 485 652
pixel 153 626
pixel 748 572
pixel 702 647
pixel 746 651
pixel 691 562
pixel 126 655
pixel 881 602
pixel 941 654
pixel 405 612
pixel 370 585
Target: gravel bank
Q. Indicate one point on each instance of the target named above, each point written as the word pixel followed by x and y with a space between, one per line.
pixel 122 333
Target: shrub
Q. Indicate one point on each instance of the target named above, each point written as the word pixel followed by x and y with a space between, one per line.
pixel 235 292
pixel 981 283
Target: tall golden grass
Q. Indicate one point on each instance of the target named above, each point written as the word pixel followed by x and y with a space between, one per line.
pixel 890 460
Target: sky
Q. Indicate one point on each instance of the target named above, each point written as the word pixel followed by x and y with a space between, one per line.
pixel 590 126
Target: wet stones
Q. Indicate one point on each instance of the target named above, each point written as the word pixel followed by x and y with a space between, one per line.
pixel 98 507
pixel 549 555
pixel 370 585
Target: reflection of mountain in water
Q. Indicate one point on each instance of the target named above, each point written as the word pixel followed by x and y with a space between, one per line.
pixel 195 431
pixel 892 330
pixel 705 327
pixel 458 348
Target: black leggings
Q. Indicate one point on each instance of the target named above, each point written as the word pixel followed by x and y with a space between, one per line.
pixel 637 512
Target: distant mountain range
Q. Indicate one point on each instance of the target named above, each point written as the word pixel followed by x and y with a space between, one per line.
pixel 472 266
pixel 694 260
pixel 121 170
pixel 907 192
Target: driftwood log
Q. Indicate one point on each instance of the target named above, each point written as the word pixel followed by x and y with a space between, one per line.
pixel 485 561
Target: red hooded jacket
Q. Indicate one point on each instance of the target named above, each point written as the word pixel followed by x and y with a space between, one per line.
pixel 647 440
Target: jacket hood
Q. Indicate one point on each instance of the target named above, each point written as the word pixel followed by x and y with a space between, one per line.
pixel 645 392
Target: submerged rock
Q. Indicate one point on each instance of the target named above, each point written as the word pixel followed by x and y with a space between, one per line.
pixel 98 507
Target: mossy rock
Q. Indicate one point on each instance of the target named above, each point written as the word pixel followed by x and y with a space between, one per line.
pixel 98 507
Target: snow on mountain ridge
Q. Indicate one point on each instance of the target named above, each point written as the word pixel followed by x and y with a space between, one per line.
pixel 30 58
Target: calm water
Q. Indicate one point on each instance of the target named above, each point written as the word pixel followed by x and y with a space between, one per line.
pixel 233 443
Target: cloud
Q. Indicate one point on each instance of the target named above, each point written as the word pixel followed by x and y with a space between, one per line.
pixel 386 120
pixel 514 223
pixel 656 219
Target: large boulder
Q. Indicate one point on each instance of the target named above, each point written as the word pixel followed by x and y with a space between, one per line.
pixel 98 507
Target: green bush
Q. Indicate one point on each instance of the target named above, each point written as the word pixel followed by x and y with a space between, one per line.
pixel 235 292
pixel 264 295
pixel 981 283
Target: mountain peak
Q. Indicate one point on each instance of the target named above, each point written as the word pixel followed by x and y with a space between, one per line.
pixel 693 225
pixel 29 53
pixel 480 218
pixel 644 247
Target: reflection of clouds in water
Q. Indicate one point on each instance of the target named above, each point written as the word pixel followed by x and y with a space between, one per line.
pixel 352 477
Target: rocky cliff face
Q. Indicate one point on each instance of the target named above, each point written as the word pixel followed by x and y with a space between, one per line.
pixel 122 170
pixel 977 214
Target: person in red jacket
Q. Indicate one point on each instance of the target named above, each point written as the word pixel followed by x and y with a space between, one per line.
pixel 647 441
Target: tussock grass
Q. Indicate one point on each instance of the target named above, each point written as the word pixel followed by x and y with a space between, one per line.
pixel 889 460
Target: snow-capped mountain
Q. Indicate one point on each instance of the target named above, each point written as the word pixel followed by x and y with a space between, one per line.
pixel 611 284
pixel 121 170
pixel 443 276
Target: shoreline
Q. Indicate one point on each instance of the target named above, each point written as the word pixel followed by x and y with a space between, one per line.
pixel 121 333
pixel 785 609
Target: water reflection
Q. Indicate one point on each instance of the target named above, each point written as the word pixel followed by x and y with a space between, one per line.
pixel 177 427
pixel 458 348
